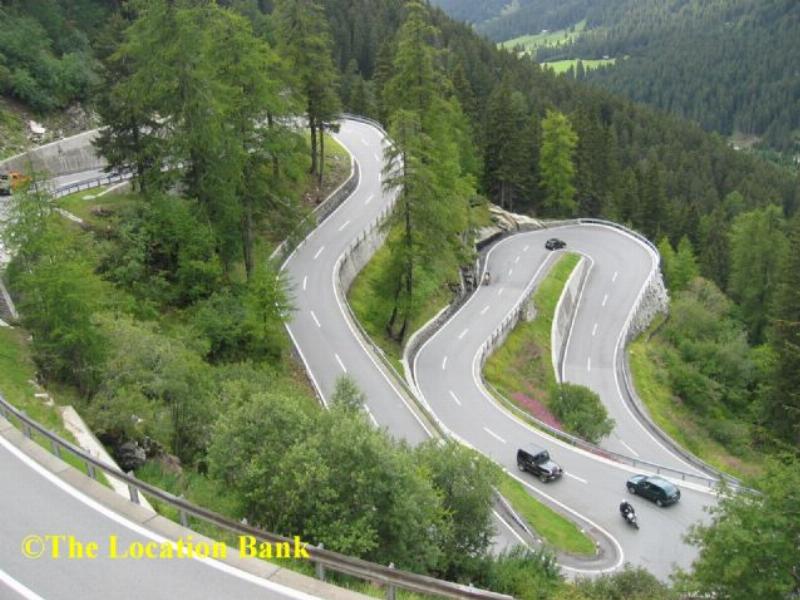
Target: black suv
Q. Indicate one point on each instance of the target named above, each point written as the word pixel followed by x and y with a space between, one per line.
pixel 654 488
pixel 537 461
pixel 554 244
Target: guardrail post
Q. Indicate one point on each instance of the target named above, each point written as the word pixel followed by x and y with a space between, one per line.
pixel 133 491
pixel 56 448
pixel 319 568
pixel 90 469
pixel 184 516
pixel 391 590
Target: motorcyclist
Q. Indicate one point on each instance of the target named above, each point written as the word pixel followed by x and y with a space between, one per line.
pixel 625 508
pixel 487 278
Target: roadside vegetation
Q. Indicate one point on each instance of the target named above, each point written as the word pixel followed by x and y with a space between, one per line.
pixel 521 370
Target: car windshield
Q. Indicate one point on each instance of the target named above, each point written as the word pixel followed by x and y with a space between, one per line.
pixel 542 457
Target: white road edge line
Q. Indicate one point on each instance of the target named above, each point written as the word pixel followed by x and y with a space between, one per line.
pixel 455 398
pixel 494 435
pixel 18 587
pixel 511 529
pixel 138 529
pixel 341 364
pixel 316 320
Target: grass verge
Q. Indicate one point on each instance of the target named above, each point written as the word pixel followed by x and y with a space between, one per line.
pixel 651 379
pixel 17 371
pixel 558 531
pixel 522 365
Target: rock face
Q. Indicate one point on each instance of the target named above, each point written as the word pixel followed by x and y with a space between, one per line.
pixel 130 456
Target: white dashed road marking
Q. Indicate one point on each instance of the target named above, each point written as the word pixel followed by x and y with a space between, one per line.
pixel 371 416
pixel 575 477
pixel 594 330
pixel 316 256
pixel 455 398
pixel 494 435
pixel 605 299
pixel 614 278
pixel 631 450
pixel 444 363
pixel 341 364
pixel 589 364
pixel 369 199
pixel 485 308
pixel 316 320
pixel 346 223
pixel 463 333
pixel 305 282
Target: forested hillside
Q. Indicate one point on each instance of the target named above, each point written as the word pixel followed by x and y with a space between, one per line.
pixel 167 320
pixel 729 65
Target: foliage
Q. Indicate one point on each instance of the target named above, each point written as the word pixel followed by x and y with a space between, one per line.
pixel 464 479
pixel 524 573
pixel 581 411
pixel 782 402
pixel 347 395
pixel 556 165
pixel 45 56
pixel 679 268
pixel 749 549
pixel 629 583
pixel 153 386
pixel 425 167
pixel 757 246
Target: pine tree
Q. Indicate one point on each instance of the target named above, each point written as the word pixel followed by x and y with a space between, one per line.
pixel 507 155
pixel 306 43
pixel 557 166
pixel 783 405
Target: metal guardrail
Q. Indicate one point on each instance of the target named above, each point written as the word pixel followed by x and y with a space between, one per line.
pixel 387 576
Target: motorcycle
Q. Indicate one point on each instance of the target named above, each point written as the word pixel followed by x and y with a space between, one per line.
pixel 630 517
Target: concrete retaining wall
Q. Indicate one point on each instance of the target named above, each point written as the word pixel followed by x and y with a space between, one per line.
pixel 565 313
pixel 64 157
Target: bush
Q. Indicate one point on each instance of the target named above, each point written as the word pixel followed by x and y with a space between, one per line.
pixel 524 573
pixel 581 411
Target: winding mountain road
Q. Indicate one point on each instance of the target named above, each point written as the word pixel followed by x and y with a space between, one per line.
pixel 448 380
pixel 593 486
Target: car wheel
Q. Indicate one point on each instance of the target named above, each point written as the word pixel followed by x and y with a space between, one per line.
pixel 632 489
pixel 521 467
pixel 659 502
pixel 543 478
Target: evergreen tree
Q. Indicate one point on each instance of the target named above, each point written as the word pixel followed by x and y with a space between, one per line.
pixel 305 41
pixel 758 244
pixel 783 405
pixel 507 157
pixel 556 165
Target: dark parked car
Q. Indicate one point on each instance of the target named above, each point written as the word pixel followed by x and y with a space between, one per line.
pixel 536 460
pixel 554 244
pixel 654 488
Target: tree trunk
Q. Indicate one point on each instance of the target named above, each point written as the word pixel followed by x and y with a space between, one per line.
pixel 321 151
pixel 247 238
pixel 313 127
